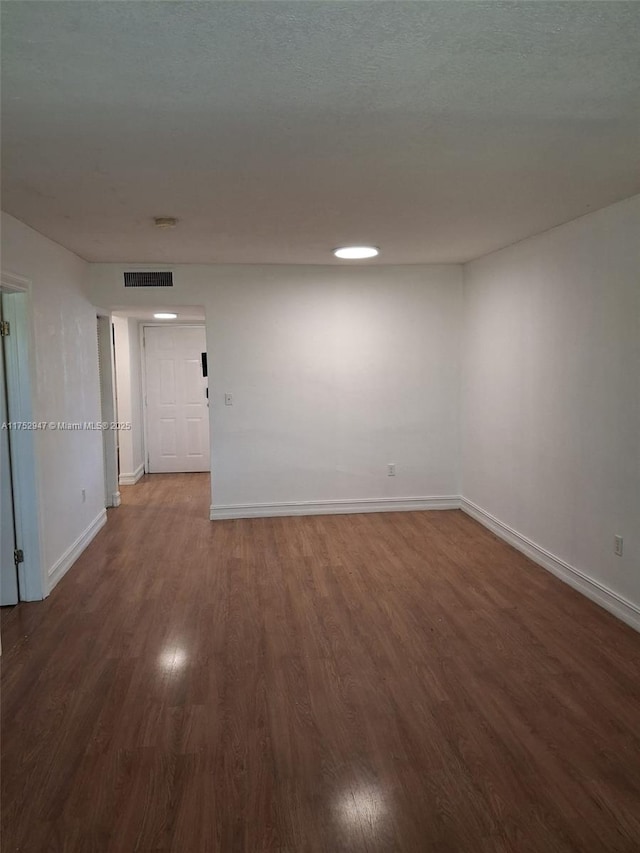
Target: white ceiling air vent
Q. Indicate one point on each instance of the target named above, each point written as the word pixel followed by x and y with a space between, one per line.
pixel 148 279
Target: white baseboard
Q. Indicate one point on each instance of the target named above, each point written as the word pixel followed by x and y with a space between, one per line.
pixel 116 499
pixel 272 510
pixel 62 566
pixel 597 592
pixel 131 479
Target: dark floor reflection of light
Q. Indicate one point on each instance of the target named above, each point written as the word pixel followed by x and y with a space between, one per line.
pixel 172 659
pixel 364 806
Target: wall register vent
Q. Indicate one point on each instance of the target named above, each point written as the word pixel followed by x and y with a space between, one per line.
pixel 148 279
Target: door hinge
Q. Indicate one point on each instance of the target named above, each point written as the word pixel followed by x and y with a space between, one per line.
pixel 5 329
pixel 18 556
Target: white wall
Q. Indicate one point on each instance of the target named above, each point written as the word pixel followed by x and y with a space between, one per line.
pixel 129 398
pixel 551 392
pixel 335 372
pixel 65 361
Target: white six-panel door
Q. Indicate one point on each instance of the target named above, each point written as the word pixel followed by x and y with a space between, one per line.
pixel 177 415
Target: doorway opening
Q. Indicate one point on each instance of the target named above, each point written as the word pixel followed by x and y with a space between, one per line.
pixel 9 553
pixel 21 577
pixel 161 384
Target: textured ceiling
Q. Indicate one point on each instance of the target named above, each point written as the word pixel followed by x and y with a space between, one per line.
pixel 277 130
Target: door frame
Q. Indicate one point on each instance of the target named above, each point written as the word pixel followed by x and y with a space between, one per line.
pixel 104 330
pixel 20 378
pixel 143 382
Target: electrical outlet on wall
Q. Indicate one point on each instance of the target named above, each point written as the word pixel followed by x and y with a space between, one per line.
pixel 391 469
pixel 618 545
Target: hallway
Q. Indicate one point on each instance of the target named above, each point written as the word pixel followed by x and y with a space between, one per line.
pixel 383 682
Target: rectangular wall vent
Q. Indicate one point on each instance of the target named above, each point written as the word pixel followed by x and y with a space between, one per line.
pixel 148 279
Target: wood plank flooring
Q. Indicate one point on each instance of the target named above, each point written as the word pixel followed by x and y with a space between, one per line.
pixel 392 682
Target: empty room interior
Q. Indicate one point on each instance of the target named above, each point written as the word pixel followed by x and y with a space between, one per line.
pixel 320 445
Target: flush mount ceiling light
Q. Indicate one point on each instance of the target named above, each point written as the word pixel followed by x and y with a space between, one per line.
pixel 355 253
pixel 165 221
pixel 165 315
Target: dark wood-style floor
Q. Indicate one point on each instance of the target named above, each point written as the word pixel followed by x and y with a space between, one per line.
pixel 398 682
